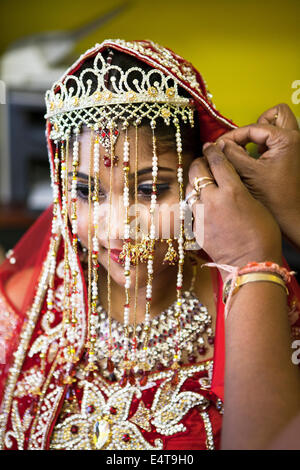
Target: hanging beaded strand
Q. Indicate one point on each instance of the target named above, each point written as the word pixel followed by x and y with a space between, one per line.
pixel 145 366
pixel 134 337
pixel 127 239
pixel 92 257
pixel 64 179
pixel 50 293
pixel 178 307
pixel 74 223
pixel 54 243
pixel 110 366
pixel 95 244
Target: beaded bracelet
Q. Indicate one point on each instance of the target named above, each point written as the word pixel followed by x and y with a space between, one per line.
pixel 267 266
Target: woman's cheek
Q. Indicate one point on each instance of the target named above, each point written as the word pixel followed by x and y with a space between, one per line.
pixel 83 225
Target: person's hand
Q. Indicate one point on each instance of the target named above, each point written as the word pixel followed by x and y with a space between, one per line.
pixel 273 178
pixel 237 227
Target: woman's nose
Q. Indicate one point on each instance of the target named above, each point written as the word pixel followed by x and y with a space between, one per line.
pixel 111 220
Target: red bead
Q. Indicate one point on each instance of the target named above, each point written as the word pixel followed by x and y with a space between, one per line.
pixel 191 358
pixel 175 378
pixel 144 379
pixel 61 377
pixel 33 407
pixel 90 376
pixel 113 410
pixel 110 365
pixel 131 377
pixel 123 380
pixel 201 350
pixel 211 340
pixel 107 162
pixel 74 429
pixel 126 438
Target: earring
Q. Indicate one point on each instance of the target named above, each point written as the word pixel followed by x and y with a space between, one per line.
pixel 171 257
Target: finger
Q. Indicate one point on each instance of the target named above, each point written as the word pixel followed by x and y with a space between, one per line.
pixel 200 168
pixel 261 134
pixel 222 170
pixel 239 158
pixel 280 115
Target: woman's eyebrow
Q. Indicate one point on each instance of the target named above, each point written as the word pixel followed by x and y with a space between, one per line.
pixel 149 170
pixel 82 176
pixel 143 171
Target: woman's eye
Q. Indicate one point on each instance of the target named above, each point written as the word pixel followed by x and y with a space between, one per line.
pixel 83 192
pixel 146 189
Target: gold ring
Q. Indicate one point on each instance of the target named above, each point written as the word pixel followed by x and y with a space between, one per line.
pixel 197 180
pixel 193 193
pixel 205 184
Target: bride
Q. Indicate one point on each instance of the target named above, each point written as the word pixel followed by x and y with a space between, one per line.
pixel 112 334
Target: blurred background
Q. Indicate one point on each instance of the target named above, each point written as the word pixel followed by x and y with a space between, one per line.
pixel 247 51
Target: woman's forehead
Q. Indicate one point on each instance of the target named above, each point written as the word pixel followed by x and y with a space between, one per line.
pixel 140 140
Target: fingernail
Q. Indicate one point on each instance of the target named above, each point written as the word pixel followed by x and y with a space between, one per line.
pixel 207 144
pixel 221 144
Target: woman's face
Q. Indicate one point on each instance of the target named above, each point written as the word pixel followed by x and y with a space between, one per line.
pixel 167 217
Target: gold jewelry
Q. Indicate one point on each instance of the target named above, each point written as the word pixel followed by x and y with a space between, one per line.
pixel 252 277
pixel 191 198
pixel 99 108
pixel 196 183
pixel 171 256
pixel 137 252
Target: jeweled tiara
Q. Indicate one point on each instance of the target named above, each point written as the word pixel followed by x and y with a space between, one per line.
pixel 85 99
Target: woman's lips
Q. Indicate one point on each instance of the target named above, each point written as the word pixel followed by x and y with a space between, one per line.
pixel 114 254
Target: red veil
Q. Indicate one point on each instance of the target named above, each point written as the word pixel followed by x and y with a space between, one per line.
pixel 21 273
